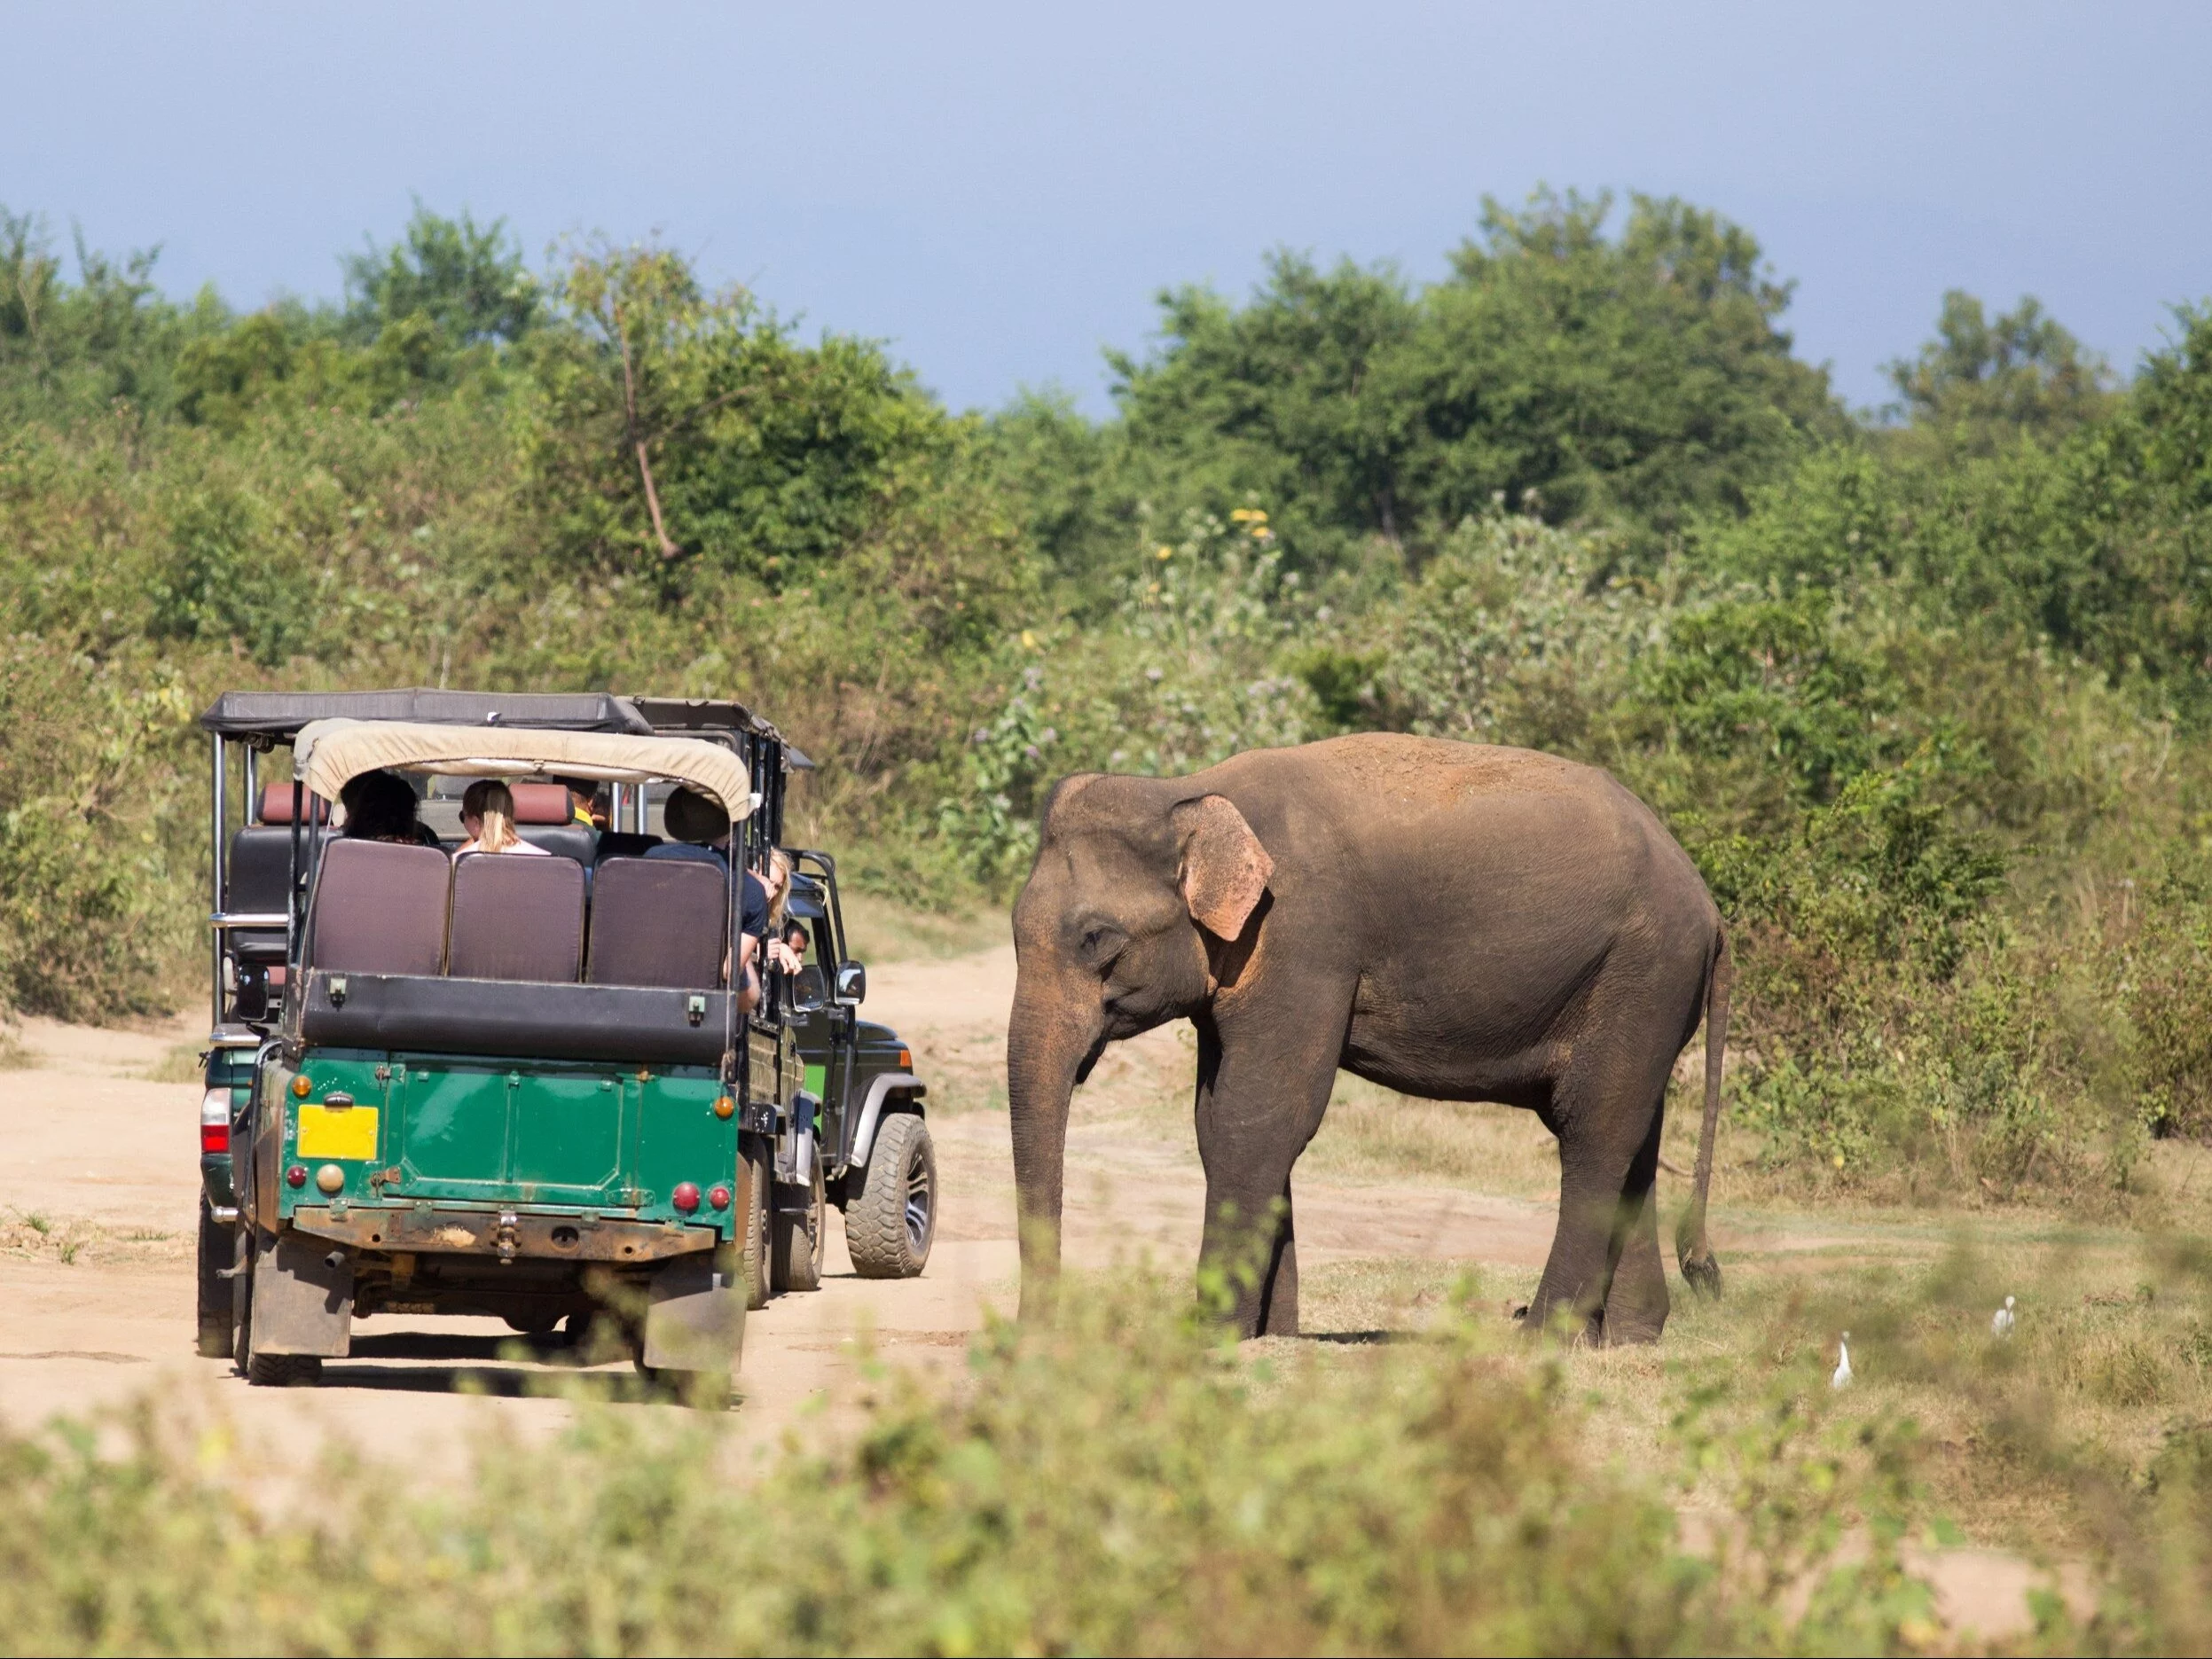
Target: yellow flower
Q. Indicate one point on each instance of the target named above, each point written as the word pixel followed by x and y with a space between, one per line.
pixel 1838 1161
pixel 1167 554
pixel 1029 640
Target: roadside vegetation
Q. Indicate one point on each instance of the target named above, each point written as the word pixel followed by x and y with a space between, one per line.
pixel 1121 1480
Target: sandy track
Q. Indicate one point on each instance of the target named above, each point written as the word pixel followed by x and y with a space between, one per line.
pixel 88 1140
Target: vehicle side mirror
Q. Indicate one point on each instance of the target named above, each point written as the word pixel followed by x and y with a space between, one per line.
pixel 810 994
pixel 852 982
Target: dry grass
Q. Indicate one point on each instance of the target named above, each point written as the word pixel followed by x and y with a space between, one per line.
pixel 880 930
pixel 72 1240
pixel 1372 1134
pixel 184 1062
pixel 2024 1444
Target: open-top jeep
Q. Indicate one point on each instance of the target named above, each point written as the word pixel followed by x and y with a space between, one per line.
pixel 526 1087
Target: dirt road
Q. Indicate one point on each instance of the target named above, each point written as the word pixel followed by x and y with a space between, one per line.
pixel 98 1186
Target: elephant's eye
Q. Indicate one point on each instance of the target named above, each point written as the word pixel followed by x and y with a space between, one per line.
pixel 1101 942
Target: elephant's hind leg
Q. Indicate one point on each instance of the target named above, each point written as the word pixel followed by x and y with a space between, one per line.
pixel 1604 1275
pixel 1636 1302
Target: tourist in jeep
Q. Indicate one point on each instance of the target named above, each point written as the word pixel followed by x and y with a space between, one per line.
pixel 380 806
pixel 700 829
pixel 488 814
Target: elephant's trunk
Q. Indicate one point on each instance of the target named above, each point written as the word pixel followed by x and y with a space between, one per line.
pixel 1050 1036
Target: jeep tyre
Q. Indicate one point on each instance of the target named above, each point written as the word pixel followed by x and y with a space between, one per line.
pixel 262 1371
pixel 796 1231
pixel 218 1252
pixel 890 1224
pixel 753 1182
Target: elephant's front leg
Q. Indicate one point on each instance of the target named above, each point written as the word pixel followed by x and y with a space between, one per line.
pixel 1260 1099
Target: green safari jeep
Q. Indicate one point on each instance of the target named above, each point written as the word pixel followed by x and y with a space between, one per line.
pixel 526 1087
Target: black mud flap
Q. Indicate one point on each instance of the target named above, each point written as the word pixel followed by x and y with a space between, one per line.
pixel 695 1320
pixel 302 1303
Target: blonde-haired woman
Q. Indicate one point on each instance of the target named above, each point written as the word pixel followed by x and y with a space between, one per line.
pixel 488 814
pixel 778 883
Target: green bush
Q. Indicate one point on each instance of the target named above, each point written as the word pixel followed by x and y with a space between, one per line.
pixel 1121 1480
pixel 90 920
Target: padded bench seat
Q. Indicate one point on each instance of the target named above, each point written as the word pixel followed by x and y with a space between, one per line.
pixel 637 1023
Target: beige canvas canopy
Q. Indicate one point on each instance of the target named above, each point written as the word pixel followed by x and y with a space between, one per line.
pixel 329 752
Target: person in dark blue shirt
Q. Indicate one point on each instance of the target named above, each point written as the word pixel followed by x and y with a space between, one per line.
pixel 700 829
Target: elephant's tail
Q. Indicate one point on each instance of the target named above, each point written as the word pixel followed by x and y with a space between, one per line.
pixel 1692 1250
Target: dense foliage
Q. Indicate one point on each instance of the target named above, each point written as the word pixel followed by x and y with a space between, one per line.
pixel 1926 694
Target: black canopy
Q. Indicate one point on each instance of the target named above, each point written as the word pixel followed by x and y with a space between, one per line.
pixel 280 715
pixel 702 714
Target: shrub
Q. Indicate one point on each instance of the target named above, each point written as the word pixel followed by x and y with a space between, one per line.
pixel 90 915
pixel 1119 1480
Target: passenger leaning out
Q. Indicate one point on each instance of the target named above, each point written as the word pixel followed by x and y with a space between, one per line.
pixel 786 935
pixel 488 814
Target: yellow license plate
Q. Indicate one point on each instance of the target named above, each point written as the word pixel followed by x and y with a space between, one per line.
pixel 337 1131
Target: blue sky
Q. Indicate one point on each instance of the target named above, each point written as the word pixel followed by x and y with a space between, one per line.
pixel 999 190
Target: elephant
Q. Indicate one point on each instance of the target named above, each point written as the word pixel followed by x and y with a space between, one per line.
pixel 1451 920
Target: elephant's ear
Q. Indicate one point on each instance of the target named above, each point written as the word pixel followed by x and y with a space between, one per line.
pixel 1225 869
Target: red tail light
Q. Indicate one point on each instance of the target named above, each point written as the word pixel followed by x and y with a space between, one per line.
pixel 215 1121
pixel 686 1197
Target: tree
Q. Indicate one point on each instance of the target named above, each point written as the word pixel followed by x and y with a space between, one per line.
pixel 1280 400
pixel 1982 384
pixel 1639 378
pixel 466 278
pixel 73 349
pixel 668 426
pixel 1645 377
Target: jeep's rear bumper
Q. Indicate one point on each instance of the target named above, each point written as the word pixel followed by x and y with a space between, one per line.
pixel 504 1234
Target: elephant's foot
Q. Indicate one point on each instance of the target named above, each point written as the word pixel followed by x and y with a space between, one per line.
pixel 1628 1331
pixel 1559 1317
pixel 1278 1292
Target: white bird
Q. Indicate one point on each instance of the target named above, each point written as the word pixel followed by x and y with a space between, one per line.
pixel 2001 1321
pixel 1842 1379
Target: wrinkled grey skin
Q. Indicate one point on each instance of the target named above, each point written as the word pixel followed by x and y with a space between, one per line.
pixel 1457 922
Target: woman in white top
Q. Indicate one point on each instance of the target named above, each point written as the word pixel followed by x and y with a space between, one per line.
pixel 488 814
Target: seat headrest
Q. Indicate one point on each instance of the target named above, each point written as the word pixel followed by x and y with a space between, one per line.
pixel 541 803
pixel 276 805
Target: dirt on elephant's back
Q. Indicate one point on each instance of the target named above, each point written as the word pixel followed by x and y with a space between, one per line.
pixel 1390 765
